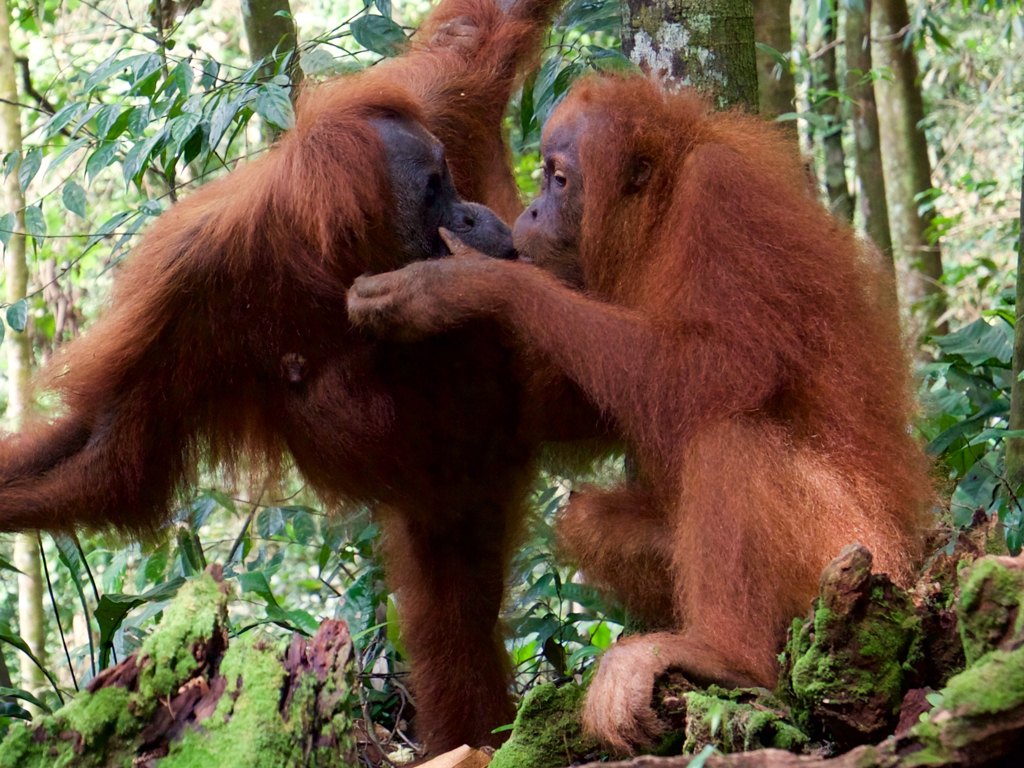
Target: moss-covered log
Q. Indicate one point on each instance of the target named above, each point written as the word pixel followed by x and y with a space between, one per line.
pixel 193 698
pixel 976 720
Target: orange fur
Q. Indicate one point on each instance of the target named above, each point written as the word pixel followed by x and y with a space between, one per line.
pixel 750 358
pixel 227 339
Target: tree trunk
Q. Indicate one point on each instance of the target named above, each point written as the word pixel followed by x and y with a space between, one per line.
pixel 19 351
pixel 906 164
pixel 1015 446
pixel 707 44
pixel 775 94
pixel 839 199
pixel 861 91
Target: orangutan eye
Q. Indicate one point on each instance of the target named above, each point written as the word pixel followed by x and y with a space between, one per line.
pixel 560 178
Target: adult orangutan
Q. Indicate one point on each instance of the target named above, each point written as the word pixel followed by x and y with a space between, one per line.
pixel 227 337
pixel 728 328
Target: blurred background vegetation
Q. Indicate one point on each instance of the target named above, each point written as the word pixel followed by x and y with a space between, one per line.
pixel 123 107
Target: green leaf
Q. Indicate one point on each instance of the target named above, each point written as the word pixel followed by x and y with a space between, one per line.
pixel 777 57
pixel 183 77
pixel 379 34
pixel 317 60
pixel 86 116
pixel 22 646
pixel 135 159
pixel 224 500
pixel 61 118
pixel 580 654
pixel 223 114
pixel 29 167
pixel 303 527
pixel 105 120
pixel 270 523
pixel 17 693
pixel 8 224
pixel 384 6
pixel 138 121
pixel 609 60
pixel 17 315
pixel 6 564
pixel 35 222
pixel 566 77
pixel 74 198
pixel 100 159
pixel 113 608
pixel 11 160
pixel 210 70
pixel 274 106
pixel 256 581
pixel 69 150
pixel 106 228
pixel 979 343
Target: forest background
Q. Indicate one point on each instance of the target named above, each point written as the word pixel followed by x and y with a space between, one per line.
pixel 109 111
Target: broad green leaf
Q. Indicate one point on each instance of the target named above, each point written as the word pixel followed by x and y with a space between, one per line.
pixel 303 527
pixel 270 523
pixel 210 70
pixel 609 60
pixel 100 159
pixel 183 125
pixel 580 654
pixel 8 225
pixel 979 343
pixel 106 68
pixel 566 78
pixel 379 34
pixel 61 118
pixel 135 159
pixel 775 55
pixel 113 608
pixel 35 222
pixel 69 150
pixel 143 66
pixel 151 208
pixel 11 160
pixel 183 77
pixel 22 646
pixel 106 118
pixel 17 315
pixel 224 500
pixel 384 6
pixel 85 117
pixel 106 228
pixel 17 693
pixel 274 106
pixel 74 198
pixel 138 120
pixel 223 114
pixel 6 564
pixel 29 167
pixel 317 60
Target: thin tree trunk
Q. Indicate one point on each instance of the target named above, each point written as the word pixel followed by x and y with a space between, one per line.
pixel 707 44
pixel 1015 446
pixel 265 31
pixel 26 548
pixel 776 95
pixel 861 91
pixel 906 164
pixel 839 198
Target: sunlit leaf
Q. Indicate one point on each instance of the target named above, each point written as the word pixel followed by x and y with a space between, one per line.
pixel 274 106
pixel 74 198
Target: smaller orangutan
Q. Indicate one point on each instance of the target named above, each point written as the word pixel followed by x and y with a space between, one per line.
pixel 683 278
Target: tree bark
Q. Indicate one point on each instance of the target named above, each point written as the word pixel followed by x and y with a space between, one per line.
pixel 839 198
pixel 868 148
pixel 776 95
pixel 707 44
pixel 19 351
pixel 265 31
pixel 1015 446
pixel 906 164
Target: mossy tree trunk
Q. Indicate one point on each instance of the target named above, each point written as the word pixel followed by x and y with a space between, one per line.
pixel 868 148
pixel 707 44
pixel 776 86
pixel 906 164
pixel 831 106
pixel 19 361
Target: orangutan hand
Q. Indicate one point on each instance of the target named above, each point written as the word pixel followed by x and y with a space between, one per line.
pixel 428 296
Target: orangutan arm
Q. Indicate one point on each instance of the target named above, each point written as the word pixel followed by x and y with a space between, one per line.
pixel 652 378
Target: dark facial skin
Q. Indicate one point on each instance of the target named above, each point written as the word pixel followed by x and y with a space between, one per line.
pixel 426 199
pixel 548 232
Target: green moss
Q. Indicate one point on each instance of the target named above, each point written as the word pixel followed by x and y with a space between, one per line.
pixel 990 606
pixel 723 719
pixel 100 715
pixel 547 732
pixel 189 620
